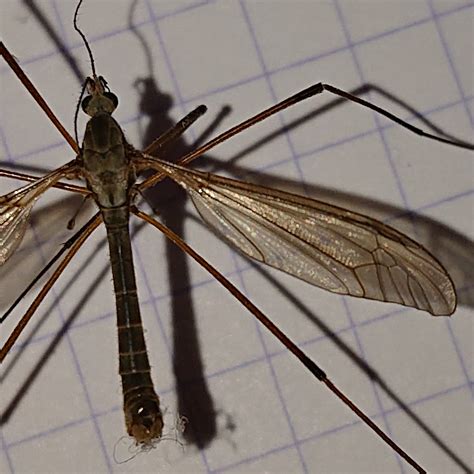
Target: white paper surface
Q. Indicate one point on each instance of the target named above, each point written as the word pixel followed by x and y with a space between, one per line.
pixel 269 414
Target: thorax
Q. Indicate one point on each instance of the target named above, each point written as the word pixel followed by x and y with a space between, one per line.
pixel 106 166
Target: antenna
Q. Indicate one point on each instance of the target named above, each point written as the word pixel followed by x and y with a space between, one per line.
pixel 76 27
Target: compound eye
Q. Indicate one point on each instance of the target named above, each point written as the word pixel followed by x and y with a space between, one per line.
pixel 112 97
pixel 85 103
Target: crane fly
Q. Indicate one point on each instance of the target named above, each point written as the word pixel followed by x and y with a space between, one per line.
pixel 335 249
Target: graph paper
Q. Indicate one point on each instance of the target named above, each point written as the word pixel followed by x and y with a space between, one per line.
pixel 250 406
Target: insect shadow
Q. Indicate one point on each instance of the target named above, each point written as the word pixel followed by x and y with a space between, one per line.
pixel 155 104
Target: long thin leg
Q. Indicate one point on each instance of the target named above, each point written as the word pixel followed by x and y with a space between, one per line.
pixel 294 99
pixel 166 138
pixel 290 101
pixel 37 96
pixel 394 118
pixel 30 178
pixel 288 343
pixel 68 244
pixel 86 232
pixel 176 131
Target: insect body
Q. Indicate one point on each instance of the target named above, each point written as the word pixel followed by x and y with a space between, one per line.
pixel 110 176
pixel 289 232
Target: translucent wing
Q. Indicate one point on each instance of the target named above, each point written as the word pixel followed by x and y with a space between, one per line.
pixel 15 208
pixel 338 250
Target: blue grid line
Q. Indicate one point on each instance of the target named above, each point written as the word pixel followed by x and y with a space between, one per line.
pixel 4 141
pixel 60 23
pixel 64 426
pixel 452 67
pixel 50 431
pixel 273 95
pixel 459 354
pixel 253 458
pixel 353 328
pixel 387 412
pixel 154 20
pixel 376 116
pixel 4 449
